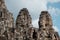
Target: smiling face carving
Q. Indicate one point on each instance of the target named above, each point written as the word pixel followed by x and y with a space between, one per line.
pixel 45 20
pixel 23 18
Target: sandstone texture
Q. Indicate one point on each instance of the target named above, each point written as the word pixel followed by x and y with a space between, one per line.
pixel 22 28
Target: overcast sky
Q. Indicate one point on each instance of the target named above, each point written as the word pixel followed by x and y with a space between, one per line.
pixel 35 7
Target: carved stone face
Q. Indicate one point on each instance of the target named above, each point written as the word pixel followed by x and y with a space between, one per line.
pixel 23 19
pixel 45 19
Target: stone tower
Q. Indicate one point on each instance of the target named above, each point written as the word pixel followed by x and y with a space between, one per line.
pixel 45 20
pixel 6 19
pixel 23 22
pixel 23 19
pixel 23 29
pixel 45 27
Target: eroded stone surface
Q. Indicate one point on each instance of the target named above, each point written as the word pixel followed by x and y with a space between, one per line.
pixel 23 29
pixel 45 27
pixel 6 20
